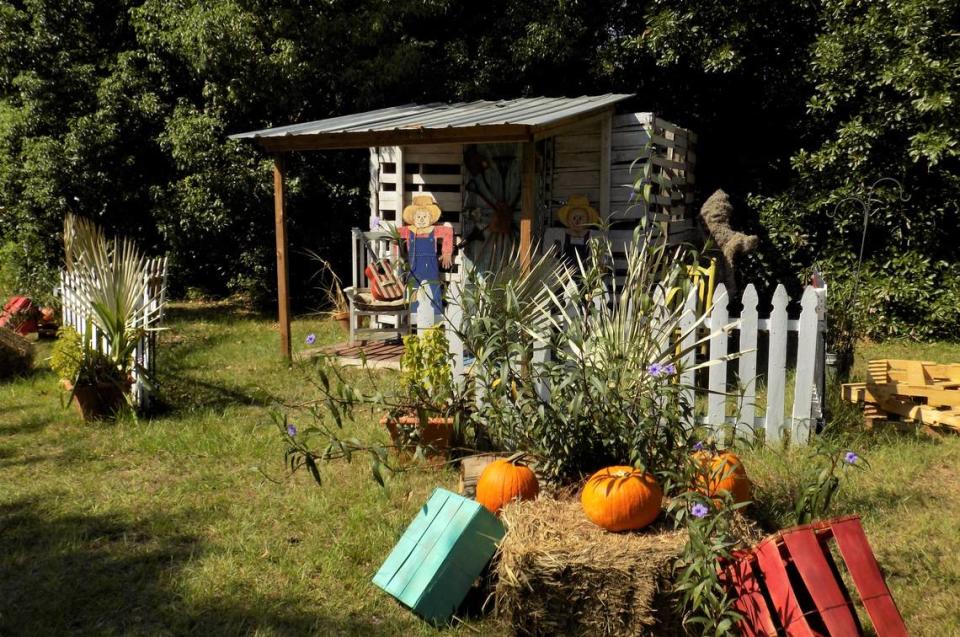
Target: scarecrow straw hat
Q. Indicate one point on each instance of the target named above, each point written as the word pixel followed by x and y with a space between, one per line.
pixel 574 203
pixel 421 202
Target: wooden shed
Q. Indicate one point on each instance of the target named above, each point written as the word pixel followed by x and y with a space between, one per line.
pixel 502 171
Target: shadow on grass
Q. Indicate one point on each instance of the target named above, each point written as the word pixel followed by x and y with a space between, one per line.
pixel 229 311
pixel 28 425
pixel 179 392
pixel 100 574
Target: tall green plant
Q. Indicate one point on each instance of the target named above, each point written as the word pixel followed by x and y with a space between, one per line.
pixel 114 282
pixel 585 371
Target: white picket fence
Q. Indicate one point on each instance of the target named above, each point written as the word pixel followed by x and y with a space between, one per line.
pixel 719 392
pixel 75 314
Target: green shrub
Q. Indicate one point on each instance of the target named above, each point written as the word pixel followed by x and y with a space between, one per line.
pixel 66 357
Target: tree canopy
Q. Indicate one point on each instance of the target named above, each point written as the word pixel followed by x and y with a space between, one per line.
pixel 120 111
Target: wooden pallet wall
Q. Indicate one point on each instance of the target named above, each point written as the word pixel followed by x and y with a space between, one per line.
pixel 635 139
pixel 397 174
pixel 644 138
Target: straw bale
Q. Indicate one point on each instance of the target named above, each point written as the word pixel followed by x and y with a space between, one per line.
pixel 559 574
pixel 16 353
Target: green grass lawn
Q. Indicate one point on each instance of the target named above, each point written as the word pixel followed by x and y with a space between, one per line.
pixel 185 523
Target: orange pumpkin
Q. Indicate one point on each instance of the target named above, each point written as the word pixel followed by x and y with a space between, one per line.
pixel 621 498
pixel 505 480
pixel 726 473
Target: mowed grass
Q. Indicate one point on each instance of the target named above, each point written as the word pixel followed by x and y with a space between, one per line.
pixel 168 526
pixel 186 523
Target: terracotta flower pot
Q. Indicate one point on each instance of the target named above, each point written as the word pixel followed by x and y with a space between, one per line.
pixel 95 402
pixel 436 436
pixel 343 318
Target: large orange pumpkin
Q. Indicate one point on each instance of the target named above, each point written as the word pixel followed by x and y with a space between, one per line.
pixel 621 498
pixel 505 480
pixel 726 473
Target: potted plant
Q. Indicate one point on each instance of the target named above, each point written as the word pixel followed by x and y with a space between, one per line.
pixel 426 381
pixel 113 281
pixel 331 288
pixel 98 388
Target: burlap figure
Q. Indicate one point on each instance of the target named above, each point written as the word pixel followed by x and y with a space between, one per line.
pixel 715 215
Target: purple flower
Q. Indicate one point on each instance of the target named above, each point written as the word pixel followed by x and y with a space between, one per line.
pixel 850 457
pixel 669 369
pixel 699 510
pixel 291 430
pixel 311 339
pixel 374 223
pixel 655 369
pixel 698 446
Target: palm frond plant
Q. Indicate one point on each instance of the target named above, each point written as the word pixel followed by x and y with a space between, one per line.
pixel 579 368
pixel 112 283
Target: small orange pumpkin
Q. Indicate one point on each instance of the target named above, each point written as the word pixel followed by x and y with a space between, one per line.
pixel 505 480
pixel 621 498
pixel 726 473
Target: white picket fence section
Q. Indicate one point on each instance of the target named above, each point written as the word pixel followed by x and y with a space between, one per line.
pixel 720 393
pixel 76 312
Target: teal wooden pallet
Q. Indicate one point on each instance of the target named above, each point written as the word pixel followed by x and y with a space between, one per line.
pixel 442 552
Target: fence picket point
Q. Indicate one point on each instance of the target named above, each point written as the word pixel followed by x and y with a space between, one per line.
pixel 717 376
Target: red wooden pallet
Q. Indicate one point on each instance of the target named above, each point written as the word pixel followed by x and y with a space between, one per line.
pixel 789 584
pixel 21 308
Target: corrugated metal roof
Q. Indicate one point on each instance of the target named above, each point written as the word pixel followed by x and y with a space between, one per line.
pixel 533 112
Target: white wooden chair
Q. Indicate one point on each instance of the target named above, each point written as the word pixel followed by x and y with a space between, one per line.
pixel 387 319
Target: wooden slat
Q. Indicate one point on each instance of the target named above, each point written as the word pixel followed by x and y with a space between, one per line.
pixel 806 354
pixel 748 358
pixel 606 125
pixel 687 344
pixel 810 561
pixel 777 365
pixel 749 600
pixel 283 276
pixel 865 572
pixel 528 203
pixel 717 386
pixel 780 589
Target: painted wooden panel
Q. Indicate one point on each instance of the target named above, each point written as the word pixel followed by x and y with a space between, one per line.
pixel 435 562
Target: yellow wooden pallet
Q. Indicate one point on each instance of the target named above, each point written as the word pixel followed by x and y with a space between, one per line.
pixel 926 392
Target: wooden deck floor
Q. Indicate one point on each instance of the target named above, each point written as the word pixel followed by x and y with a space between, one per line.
pixel 379 354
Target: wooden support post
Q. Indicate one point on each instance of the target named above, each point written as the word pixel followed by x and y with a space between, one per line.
pixel 283 276
pixel 606 137
pixel 528 204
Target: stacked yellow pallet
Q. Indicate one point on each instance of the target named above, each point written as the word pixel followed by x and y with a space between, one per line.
pixel 924 392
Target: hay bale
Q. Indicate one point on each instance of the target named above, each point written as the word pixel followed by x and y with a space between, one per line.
pixel 559 574
pixel 16 353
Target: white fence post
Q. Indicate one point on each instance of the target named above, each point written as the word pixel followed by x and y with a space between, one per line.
pixel 717 379
pixel 777 364
pixel 806 362
pixel 747 366
pixel 688 345
pixel 454 325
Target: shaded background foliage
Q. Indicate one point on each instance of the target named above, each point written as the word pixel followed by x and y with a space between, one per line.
pixel 120 111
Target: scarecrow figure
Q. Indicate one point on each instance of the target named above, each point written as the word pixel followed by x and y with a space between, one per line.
pixel 422 237
pixel 578 216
